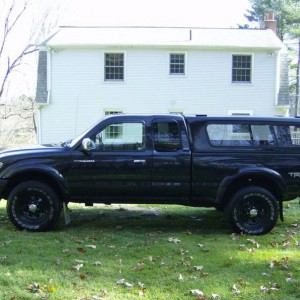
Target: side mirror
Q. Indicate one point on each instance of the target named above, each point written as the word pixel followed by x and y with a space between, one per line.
pixel 88 145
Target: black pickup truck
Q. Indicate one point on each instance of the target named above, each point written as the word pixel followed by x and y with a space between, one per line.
pixel 244 166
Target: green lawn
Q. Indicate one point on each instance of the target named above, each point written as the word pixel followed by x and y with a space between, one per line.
pixel 149 252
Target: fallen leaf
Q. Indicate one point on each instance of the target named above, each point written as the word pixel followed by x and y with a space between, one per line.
pixel 124 283
pixel 95 297
pixel 139 267
pixel 82 276
pixel 263 289
pixel 215 296
pixel 196 292
pixel 81 250
pixel 289 279
pixel 286 244
pixel 79 241
pixel 58 261
pixel 198 268
pixel 234 236
pixel 235 290
pixel 174 240
pixel 91 246
pixel 180 277
pixel 254 243
pixel 33 288
pixel 275 263
pixel 78 267
pixel 188 232
pixel 97 263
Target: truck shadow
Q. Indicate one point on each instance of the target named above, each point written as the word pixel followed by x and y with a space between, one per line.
pixel 133 218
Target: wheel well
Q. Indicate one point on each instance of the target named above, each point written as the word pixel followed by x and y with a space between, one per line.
pixel 38 176
pixel 257 180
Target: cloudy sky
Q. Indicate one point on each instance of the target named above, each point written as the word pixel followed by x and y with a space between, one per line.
pixel 198 13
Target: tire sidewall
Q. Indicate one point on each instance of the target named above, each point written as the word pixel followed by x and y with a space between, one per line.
pixel 49 196
pixel 246 195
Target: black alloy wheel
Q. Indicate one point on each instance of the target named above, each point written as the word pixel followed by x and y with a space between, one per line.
pixel 33 206
pixel 253 210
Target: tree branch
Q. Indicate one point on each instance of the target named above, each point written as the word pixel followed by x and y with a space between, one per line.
pixel 8 27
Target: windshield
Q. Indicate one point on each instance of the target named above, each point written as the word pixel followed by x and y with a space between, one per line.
pixel 73 142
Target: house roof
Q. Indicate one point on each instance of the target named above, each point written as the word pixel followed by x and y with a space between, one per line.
pixel 163 37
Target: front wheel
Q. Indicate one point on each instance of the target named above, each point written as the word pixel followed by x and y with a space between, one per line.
pixel 253 210
pixel 33 206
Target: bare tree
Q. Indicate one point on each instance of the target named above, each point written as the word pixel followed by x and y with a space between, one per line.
pixel 23 24
pixel 33 21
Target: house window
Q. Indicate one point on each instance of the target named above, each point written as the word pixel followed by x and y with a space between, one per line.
pixel 177 64
pixel 116 130
pixel 241 68
pixel 114 66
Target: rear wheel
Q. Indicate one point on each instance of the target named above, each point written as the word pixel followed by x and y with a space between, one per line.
pixel 253 210
pixel 33 206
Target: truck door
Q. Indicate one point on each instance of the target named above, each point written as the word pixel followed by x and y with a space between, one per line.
pixel 118 166
pixel 171 161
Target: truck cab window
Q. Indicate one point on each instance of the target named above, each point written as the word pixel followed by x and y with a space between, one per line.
pixel 121 137
pixel 166 136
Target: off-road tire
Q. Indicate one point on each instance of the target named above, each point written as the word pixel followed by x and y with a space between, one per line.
pixel 252 210
pixel 33 206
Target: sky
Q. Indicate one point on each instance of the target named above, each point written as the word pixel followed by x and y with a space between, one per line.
pixel 187 13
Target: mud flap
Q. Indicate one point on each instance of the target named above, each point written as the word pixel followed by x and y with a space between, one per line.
pixel 66 213
pixel 280 210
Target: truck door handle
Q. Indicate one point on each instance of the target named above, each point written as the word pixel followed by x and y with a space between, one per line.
pixel 139 161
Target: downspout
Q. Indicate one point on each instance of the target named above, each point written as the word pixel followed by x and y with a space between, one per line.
pixel 49 72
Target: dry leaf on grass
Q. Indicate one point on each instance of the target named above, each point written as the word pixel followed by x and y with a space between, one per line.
pixel 174 240
pixel 124 283
pixel 198 268
pixel 196 292
pixel 78 267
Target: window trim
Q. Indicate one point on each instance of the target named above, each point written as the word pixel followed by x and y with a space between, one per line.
pixel 175 75
pixel 118 81
pixel 251 70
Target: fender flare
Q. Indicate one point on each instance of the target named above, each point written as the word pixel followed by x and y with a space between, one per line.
pixel 14 171
pixel 251 173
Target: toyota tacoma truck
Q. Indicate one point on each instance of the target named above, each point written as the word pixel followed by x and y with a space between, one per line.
pixel 244 166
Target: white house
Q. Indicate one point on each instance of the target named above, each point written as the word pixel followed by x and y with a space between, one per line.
pixel 87 72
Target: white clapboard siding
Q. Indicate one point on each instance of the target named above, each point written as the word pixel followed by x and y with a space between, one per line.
pixel 79 95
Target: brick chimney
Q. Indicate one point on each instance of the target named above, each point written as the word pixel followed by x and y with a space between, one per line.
pixel 270 22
